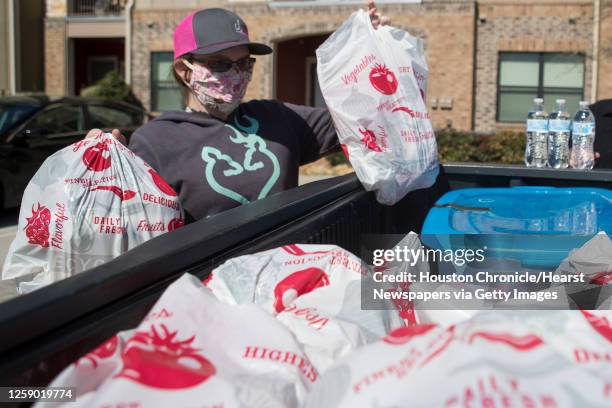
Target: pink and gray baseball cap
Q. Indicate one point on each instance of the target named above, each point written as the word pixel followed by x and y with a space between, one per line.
pixel 212 30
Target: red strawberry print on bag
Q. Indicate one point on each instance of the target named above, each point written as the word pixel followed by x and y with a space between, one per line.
pixel 175 223
pixel 383 79
pixel 97 157
pixel 157 359
pixel 161 184
pixel 523 343
pixel 600 323
pixel 37 228
pixel 297 284
pixel 123 195
pixel 104 351
pixel 369 140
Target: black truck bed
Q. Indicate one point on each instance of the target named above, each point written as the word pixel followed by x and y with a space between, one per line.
pixel 45 331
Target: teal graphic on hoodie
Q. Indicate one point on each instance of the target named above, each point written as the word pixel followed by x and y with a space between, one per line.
pixel 246 136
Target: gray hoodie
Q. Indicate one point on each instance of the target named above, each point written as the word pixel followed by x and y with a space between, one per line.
pixel 215 165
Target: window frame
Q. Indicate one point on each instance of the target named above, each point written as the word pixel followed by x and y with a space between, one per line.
pixel 28 124
pixel 153 83
pixel 540 89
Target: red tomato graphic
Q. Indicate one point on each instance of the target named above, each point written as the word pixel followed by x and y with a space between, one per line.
pixel 296 284
pixel 526 342
pixel 97 157
pixel 105 350
pixel 383 79
pixel 37 228
pixel 599 323
pixel 404 334
pixel 124 195
pixel 345 150
pixel 175 223
pixel 369 140
pixel 161 184
pixel 159 360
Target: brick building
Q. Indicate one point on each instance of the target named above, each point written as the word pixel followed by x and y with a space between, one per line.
pixel 487 58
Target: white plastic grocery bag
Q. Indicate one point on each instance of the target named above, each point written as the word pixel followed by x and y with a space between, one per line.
pixel 594 261
pixel 314 290
pixel 500 358
pixel 87 204
pixel 374 83
pixel 193 350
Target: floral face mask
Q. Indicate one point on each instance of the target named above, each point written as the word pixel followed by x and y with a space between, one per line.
pixel 221 91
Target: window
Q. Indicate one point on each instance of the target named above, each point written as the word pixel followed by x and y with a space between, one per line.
pixel 314 96
pixel 165 92
pixel 58 119
pixel 524 76
pixel 11 114
pixel 108 117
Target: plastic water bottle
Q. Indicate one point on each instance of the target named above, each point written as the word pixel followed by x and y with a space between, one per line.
pixel 583 137
pixel 536 148
pixel 558 136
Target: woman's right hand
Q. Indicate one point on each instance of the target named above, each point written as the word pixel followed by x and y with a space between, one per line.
pixel 376 18
pixel 93 133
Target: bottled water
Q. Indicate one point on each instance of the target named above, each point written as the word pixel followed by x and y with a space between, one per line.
pixel 583 137
pixel 558 136
pixel 536 148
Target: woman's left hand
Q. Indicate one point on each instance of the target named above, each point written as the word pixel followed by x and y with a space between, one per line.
pixel 375 17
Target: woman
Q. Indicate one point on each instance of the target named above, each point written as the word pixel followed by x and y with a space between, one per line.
pixel 220 153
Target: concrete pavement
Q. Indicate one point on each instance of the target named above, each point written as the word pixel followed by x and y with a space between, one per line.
pixel 8 229
pixel 304 179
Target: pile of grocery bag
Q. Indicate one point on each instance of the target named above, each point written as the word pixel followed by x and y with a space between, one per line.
pixel 285 328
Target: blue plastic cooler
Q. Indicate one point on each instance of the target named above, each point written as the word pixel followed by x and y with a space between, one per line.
pixel 537 226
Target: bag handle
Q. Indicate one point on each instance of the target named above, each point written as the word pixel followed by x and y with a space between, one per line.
pixel 364 18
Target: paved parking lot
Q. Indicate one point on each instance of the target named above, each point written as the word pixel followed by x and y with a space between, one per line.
pixel 8 229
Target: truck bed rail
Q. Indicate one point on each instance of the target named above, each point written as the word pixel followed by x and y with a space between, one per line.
pixel 46 330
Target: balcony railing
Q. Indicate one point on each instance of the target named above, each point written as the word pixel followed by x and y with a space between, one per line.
pixel 96 8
